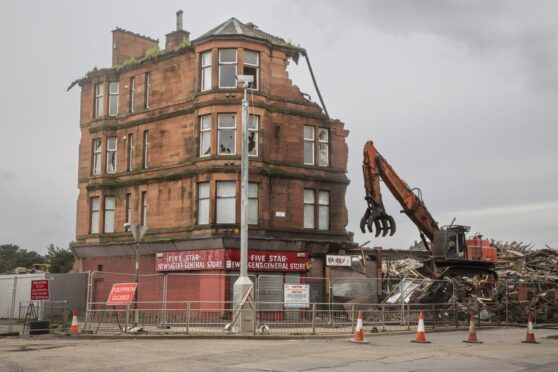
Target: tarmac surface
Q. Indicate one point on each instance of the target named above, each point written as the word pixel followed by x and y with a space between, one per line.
pixel 501 351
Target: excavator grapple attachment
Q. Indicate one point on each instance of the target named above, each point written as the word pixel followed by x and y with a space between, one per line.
pixel 382 222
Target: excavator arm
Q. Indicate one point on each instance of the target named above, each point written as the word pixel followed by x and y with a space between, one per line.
pixel 375 167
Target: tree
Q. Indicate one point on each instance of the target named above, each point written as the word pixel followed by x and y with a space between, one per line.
pixel 12 256
pixel 61 259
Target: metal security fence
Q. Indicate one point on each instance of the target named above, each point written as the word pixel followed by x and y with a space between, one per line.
pixel 202 303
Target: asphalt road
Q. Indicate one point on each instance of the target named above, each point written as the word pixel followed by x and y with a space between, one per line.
pixel 501 351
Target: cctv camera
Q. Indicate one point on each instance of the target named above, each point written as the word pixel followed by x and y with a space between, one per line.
pixel 127 224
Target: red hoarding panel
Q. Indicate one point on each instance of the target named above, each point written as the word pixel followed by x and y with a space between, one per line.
pixel 211 259
pixel 39 290
pixel 122 293
pixel 219 259
pixel 268 261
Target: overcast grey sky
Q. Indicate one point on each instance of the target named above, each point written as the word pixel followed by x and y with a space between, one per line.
pixel 459 96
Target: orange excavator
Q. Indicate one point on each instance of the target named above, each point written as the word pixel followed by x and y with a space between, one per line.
pixel 449 247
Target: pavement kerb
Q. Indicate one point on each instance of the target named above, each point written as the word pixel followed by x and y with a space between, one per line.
pixel 270 337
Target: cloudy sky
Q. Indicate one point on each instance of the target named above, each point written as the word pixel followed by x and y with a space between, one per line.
pixel 459 96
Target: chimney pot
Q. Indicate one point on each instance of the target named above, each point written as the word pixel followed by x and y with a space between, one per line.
pixel 179 20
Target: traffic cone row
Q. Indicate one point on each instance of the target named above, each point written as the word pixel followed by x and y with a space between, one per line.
pixel 359 331
pixel 75 327
pixel 421 334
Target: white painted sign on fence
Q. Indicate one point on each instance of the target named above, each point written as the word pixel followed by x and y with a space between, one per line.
pixel 296 296
pixel 337 260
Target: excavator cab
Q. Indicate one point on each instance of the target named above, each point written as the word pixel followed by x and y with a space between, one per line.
pixel 449 243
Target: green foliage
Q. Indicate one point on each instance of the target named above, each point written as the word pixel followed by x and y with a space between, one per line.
pixel 151 53
pixel 11 256
pixel 61 259
pixel 128 62
pixel 184 43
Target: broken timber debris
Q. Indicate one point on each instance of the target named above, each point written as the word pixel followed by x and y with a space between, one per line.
pixel 527 283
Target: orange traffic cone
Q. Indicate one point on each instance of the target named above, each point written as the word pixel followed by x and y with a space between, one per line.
pixel 359 332
pixel 421 336
pixel 530 338
pixel 472 331
pixel 74 328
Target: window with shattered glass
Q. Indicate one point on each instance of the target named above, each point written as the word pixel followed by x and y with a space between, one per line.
pixel 252 67
pixel 323 147
pixel 226 134
pixel 253 126
pixel 111 155
pixel 96 160
pixel 205 135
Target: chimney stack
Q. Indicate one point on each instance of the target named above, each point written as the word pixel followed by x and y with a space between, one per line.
pixel 175 39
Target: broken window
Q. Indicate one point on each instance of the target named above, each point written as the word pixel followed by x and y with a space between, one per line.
pixel 253 126
pixel 111 155
pixel 253 204
pixel 109 214
pixel 227 134
pixel 203 203
pixel 309 209
pixel 96 161
pixel 206 64
pixel 252 67
pixel 113 98
pixel 323 147
pixel 94 218
pixel 227 68
pixel 226 202
pixel 323 210
pixel 98 103
pixel 205 135
pixel 308 145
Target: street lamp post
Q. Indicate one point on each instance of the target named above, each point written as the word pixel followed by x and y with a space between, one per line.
pixel 244 317
pixel 137 231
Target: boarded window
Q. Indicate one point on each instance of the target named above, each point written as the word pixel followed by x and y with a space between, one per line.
pixel 253 204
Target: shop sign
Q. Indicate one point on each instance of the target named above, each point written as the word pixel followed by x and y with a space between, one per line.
pixel 40 290
pixel 296 296
pixel 269 261
pixel 122 293
pixel 210 259
pixel 229 259
pixel 337 260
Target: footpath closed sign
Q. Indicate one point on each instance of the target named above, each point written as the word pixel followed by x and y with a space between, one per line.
pixel 39 290
pixel 122 293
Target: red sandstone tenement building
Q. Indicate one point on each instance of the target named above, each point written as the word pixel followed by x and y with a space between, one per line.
pixel 160 146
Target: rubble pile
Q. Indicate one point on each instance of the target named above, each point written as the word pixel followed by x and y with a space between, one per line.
pixel 527 283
